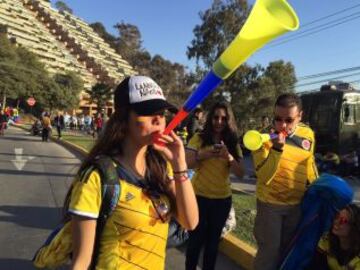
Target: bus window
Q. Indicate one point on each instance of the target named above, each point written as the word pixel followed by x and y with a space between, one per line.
pixel 349 114
pixel 357 113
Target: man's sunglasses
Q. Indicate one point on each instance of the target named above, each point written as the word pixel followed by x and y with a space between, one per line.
pixel 287 120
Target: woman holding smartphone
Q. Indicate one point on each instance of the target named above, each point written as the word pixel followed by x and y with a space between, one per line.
pixel 213 154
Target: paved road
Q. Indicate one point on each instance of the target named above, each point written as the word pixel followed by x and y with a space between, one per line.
pixel 34 177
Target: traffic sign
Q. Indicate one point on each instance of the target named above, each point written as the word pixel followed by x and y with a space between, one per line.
pixel 31 101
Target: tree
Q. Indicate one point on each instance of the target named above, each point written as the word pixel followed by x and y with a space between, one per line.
pixel 70 86
pixel 172 78
pixel 129 42
pixel 220 24
pixel 21 73
pixel 53 96
pixel 99 94
pixel 282 75
pixel 34 73
pixel 62 6
pixel 99 28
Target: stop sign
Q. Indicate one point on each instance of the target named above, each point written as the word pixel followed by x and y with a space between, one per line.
pixel 31 101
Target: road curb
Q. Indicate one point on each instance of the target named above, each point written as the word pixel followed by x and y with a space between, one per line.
pixel 237 250
pixel 240 252
pixel 82 151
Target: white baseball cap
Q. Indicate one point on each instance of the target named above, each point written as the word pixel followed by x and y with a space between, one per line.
pixel 141 94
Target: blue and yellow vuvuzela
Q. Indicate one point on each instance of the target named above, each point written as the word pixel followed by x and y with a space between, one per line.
pixel 268 19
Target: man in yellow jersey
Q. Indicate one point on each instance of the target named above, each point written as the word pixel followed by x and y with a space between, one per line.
pixel 284 167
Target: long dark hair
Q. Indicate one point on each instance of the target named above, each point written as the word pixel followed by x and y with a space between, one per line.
pixel 228 135
pixel 354 236
pixel 110 144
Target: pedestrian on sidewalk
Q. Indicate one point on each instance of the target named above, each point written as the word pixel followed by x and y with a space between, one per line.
pixel 3 122
pixel 88 124
pixel 98 123
pixel 46 125
pixel 59 123
pixel 136 233
pixel 284 167
pixel 213 153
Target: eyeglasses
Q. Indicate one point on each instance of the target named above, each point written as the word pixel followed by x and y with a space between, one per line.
pixel 287 120
pixel 161 206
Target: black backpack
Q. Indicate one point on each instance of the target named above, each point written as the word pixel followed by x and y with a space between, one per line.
pixel 59 240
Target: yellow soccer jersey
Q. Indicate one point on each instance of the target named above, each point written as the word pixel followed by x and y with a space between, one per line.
pixel 333 264
pixel 211 178
pixel 134 236
pixel 282 177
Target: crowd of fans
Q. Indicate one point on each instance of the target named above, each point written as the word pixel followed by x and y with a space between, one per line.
pixel 90 125
pixel 8 116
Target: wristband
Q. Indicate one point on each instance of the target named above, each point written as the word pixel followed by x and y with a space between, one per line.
pixel 181 178
pixel 180 172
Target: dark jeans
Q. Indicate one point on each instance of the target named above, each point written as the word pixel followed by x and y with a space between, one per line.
pixel 58 129
pixel 45 134
pixel 213 214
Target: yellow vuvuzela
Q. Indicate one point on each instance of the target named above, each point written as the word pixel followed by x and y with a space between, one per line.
pixel 267 20
pixel 253 139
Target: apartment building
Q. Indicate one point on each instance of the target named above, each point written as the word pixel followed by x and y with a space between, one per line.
pixel 63 42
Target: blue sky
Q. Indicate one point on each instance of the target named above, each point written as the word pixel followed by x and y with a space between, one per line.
pixel 167 29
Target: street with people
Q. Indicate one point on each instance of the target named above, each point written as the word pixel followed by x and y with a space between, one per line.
pixel 116 152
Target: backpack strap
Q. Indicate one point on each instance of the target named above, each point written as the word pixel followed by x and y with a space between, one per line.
pixel 110 192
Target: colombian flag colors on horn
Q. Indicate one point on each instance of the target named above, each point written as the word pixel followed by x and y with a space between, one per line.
pixel 268 19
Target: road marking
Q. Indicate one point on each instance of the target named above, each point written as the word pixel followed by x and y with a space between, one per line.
pixel 20 160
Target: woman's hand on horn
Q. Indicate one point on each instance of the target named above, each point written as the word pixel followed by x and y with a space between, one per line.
pixel 172 147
